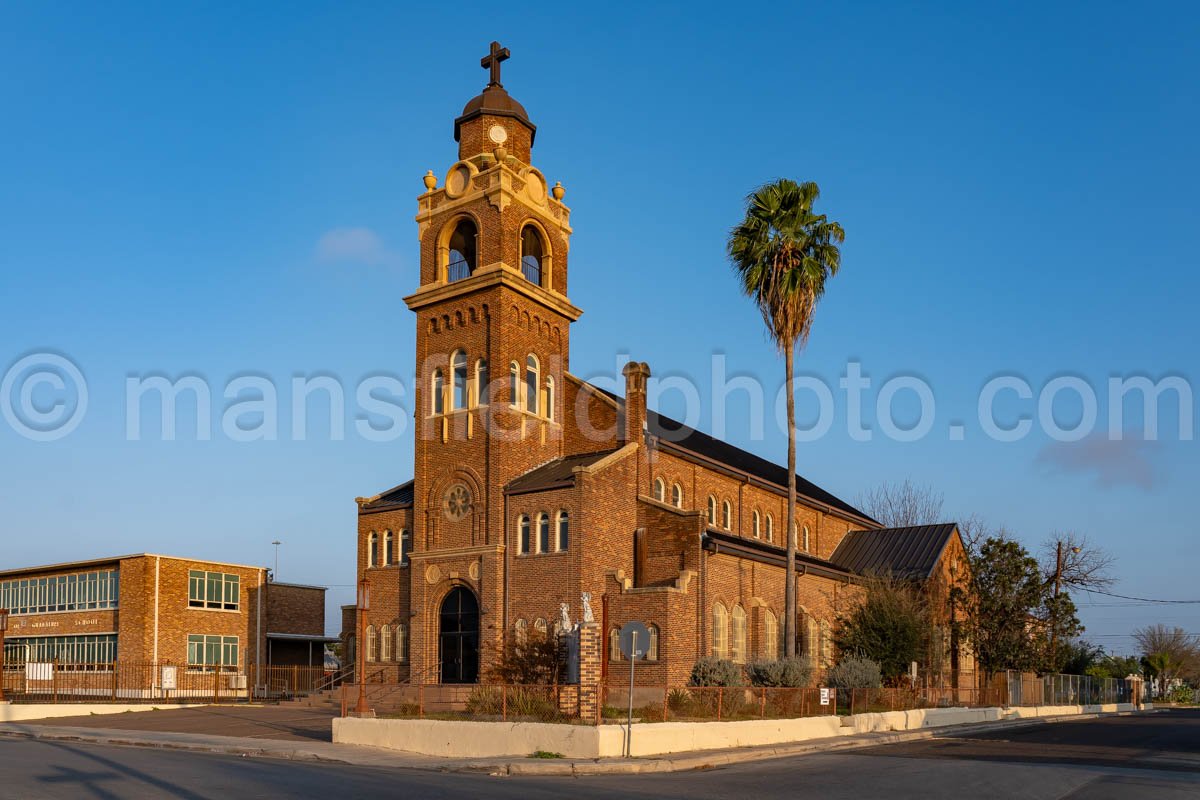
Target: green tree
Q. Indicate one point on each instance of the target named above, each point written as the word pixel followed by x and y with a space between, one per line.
pixel 892 627
pixel 783 254
pixel 1011 610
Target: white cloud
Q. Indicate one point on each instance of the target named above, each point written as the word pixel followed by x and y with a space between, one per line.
pixel 354 246
pixel 1110 462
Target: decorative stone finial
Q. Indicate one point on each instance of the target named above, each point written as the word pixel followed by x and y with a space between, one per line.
pixel 430 181
pixel 558 191
pixel 501 154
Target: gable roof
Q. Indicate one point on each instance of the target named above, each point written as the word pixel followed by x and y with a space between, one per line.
pixel 911 552
pixel 397 497
pixel 555 474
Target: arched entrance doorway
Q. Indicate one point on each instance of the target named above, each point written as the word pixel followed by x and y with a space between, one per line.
pixel 458 636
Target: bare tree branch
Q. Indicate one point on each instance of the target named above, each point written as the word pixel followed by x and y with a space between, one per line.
pixel 1084 565
pixel 902 505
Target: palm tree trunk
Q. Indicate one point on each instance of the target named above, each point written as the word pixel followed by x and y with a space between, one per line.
pixel 789 582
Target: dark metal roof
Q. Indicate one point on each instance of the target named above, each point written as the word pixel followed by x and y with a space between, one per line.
pixel 717 541
pixel 554 475
pixel 675 432
pixel 396 497
pixel 903 552
pixel 495 102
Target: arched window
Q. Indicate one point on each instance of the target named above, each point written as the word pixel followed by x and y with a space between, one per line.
pixel 389 549
pixel 458 374
pixel 804 539
pixel 614 644
pixel 677 495
pixel 543 533
pixel 652 649
pixel 720 631
pixel 523 527
pixel 737 644
pixel 726 515
pixel 385 643
pixel 541 628
pixel 564 536
pixel 756 521
pixel 826 651
pixel 521 631
pixel 770 528
pixel 460 262
pixel 372 645
pixel 550 397
pixel 770 634
pixel 438 389
pixel 532 381
pixel 373 549
pixel 514 384
pixel 660 490
pixel 405 547
pixel 481 382
pixel 712 511
pixel 401 643
pixel 533 252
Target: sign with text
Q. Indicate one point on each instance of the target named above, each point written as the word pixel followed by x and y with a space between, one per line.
pixel 170 678
pixel 824 697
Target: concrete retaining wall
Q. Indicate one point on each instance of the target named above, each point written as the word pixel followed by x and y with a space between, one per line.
pixel 24 711
pixel 490 739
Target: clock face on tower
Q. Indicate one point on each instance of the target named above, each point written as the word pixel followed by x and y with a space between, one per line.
pixel 497 134
pixel 457 502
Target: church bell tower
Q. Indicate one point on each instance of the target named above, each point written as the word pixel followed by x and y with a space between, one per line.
pixel 493 330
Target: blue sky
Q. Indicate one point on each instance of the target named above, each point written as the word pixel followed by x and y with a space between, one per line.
pixel 1016 183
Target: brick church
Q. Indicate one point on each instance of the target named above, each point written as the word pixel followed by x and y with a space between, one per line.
pixel 532 487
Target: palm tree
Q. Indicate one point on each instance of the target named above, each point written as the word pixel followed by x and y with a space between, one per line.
pixel 783 254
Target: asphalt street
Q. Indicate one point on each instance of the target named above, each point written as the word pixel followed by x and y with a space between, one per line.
pixel 1143 756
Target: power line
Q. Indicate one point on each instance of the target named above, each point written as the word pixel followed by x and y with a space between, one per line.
pixel 1144 599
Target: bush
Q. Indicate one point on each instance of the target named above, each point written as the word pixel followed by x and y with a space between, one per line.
pixel 790 672
pixel 855 673
pixel 532 662
pixel 716 672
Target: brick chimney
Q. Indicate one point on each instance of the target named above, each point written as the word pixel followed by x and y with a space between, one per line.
pixel 635 374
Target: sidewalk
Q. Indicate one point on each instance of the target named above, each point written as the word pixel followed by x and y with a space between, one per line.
pixel 389 759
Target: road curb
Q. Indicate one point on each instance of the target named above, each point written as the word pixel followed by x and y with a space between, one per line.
pixel 682 762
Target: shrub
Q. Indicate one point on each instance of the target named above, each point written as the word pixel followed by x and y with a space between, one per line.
pixel 790 672
pixel 855 673
pixel 716 672
pixel 534 661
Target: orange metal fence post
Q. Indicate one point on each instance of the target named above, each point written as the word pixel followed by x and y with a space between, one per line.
pixel 720 700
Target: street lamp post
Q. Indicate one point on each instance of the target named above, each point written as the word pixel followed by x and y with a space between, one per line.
pixel 276 543
pixel 3 631
pixel 364 605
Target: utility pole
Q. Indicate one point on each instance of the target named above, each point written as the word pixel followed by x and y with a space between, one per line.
pixel 1058 567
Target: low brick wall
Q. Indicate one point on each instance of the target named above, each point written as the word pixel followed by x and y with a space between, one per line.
pixel 461 739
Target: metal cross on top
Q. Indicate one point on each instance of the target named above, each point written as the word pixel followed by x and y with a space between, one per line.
pixel 492 62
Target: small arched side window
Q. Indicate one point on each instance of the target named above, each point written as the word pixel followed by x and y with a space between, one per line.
pixel 564 537
pixel 737 645
pixel 373 549
pixel 460 262
pixel 372 653
pixel 533 372
pixel 458 374
pixel 524 535
pixel 385 643
pixel 514 385
pixel 533 252
pixel 614 644
pixel 720 631
pixel 756 521
pixel 541 627
pixel 805 540
pixel 652 648
pixel 660 490
pixel 726 515
pixel 521 631
pixel 550 398
pixel 770 641
pixel 712 511
pixel 543 533
pixel 389 549
pixel 438 389
pixel 401 643
pixel 770 528
pixel 677 495
pixel 405 547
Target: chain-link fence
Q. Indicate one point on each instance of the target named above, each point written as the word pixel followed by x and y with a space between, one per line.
pixel 1029 689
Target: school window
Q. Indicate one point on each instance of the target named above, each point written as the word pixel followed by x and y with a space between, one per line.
pixel 212 653
pixel 214 590
pixel 81 592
